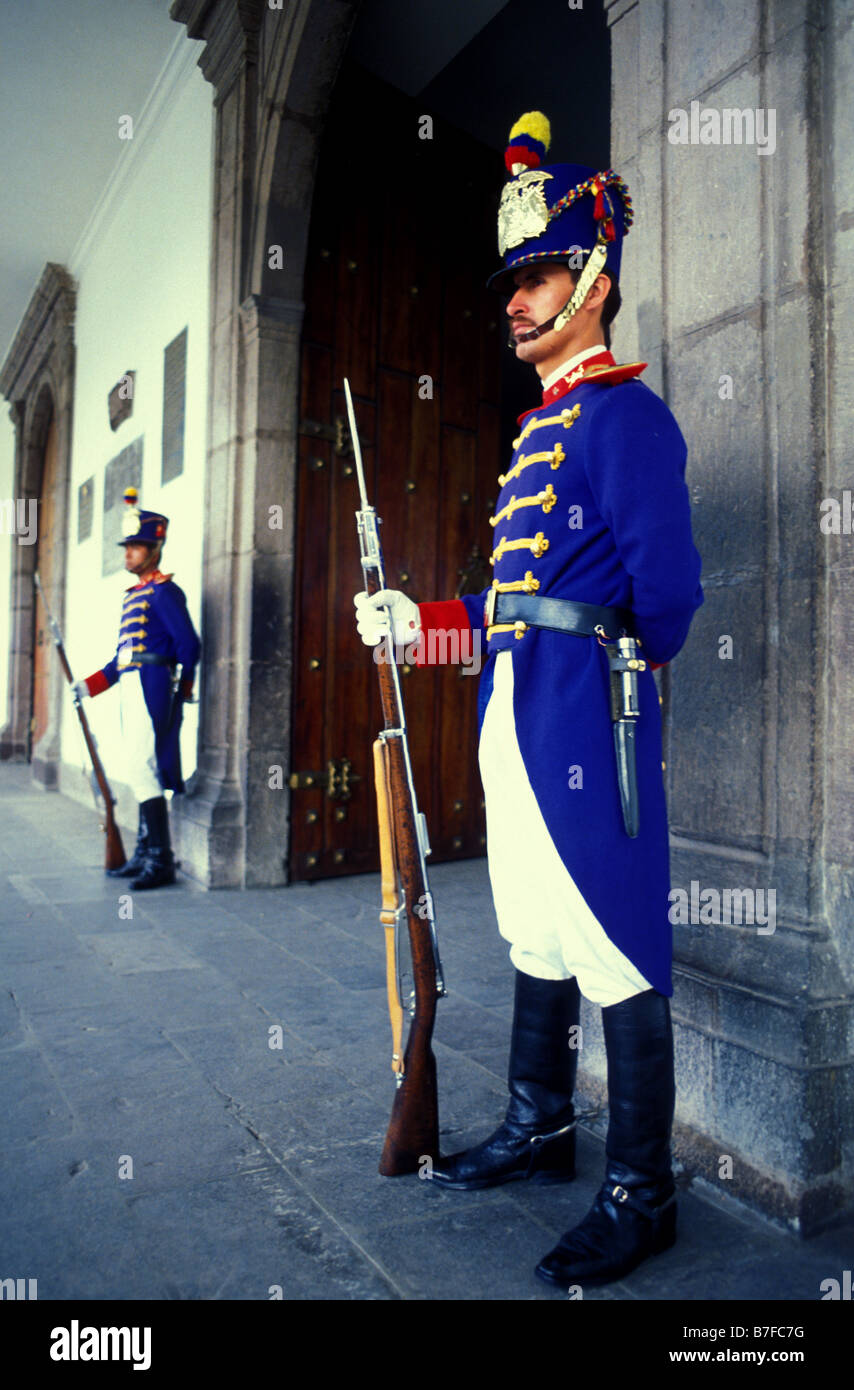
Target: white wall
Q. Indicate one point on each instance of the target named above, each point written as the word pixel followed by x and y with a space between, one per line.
pixel 143 275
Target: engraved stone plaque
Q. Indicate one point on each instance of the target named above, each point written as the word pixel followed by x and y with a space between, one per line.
pixel 85 509
pixel 123 471
pixel 174 388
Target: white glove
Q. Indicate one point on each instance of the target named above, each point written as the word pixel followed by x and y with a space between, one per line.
pixel 81 690
pixel 372 619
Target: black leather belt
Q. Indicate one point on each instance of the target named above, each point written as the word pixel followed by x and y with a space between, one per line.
pixel 558 614
pixel 151 659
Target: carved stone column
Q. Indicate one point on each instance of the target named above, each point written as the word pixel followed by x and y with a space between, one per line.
pixel 272 73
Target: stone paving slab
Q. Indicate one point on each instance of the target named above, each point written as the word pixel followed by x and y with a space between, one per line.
pixel 148 1037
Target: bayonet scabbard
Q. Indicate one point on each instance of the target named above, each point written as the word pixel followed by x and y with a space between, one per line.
pixel 624 665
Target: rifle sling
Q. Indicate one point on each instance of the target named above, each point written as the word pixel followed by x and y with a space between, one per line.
pixel 388 915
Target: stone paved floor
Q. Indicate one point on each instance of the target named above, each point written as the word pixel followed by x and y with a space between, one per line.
pixel 145 1041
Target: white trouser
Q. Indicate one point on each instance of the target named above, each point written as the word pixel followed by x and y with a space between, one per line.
pixel 553 934
pixel 138 739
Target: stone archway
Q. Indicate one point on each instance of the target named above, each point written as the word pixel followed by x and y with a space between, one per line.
pixel 37 379
pixel 273 71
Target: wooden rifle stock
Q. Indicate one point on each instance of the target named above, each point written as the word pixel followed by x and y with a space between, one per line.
pixel 114 856
pixel 413 1131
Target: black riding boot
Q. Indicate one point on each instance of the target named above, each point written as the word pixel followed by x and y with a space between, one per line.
pixel 159 867
pixel 634 1214
pixel 135 864
pixel 537 1138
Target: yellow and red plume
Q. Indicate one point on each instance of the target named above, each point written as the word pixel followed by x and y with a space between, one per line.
pixel 530 138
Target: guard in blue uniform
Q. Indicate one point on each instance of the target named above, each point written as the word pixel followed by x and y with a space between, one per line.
pixel 596 580
pixel 156 656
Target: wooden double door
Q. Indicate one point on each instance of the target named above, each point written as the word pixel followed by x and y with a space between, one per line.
pixel 402 240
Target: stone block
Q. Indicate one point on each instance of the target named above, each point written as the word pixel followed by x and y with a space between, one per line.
pixel 706 40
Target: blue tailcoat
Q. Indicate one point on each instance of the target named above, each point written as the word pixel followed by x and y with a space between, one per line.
pixel 155 619
pixel 618 532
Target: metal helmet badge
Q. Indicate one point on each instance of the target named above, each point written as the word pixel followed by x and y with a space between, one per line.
pixel 523 212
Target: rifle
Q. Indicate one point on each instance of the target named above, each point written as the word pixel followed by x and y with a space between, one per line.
pixel 413 1132
pixel 115 853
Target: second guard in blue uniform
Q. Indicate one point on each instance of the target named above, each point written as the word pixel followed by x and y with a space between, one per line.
pixel 156 656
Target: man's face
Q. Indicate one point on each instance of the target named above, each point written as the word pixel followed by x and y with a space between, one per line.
pixel 542 290
pixel 137 557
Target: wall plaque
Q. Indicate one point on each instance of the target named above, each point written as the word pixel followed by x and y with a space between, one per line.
pixel 174 389
pixel 123 471
pixel 85 509
pixel 120 399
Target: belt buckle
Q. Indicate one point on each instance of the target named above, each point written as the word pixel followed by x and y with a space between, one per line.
pixel 489 610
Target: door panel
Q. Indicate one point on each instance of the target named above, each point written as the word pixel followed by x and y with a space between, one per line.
pixel 401 242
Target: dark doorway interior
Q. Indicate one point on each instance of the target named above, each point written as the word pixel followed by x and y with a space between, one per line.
pixel 401 244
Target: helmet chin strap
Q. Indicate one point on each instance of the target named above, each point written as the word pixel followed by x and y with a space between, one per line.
pixel 594 265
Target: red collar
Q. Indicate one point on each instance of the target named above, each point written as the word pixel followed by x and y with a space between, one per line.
pixel 155 578
pixel 602 369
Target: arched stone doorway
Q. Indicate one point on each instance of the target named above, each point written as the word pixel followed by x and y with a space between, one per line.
pixel 37 379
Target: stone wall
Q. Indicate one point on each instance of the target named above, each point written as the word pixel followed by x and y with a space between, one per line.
pixel 737 279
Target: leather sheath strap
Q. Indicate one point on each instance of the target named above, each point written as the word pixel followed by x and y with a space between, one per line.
pixel 558 614
pixel 534 332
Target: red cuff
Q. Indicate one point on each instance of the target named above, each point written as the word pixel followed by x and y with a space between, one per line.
pixel 97 684
pixel 657 665
pixel 446 635
pixel 187 689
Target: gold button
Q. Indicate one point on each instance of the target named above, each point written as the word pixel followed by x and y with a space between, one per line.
pixel 664 767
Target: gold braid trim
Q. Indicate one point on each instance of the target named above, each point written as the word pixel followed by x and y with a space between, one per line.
pixel 537 545
pixel 528 585
pixel 545 499
pixel 553 456
pixel 566 418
